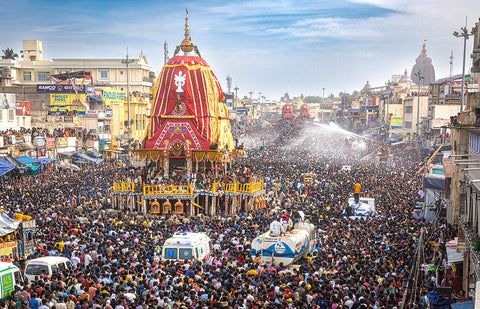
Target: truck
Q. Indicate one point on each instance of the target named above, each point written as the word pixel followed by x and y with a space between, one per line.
pixel 286 247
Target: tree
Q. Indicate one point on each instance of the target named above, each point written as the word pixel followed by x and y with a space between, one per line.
pixel 8 53
pixel 331 96
pixel 285 97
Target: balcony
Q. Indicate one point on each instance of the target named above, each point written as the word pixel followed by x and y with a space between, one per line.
pixel 470 235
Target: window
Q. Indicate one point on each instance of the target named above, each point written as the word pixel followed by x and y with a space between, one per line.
pixel 408 109
pixel 54 269
pixel 35 269
pixel 18 278
pixel 62 266
pixel 11 115
pixel 171 253
pixel 27 76
pixel 23 122
pixel 121 72
pixel 104 74
pixel 43 76
pixel 408 125
pixel 185 254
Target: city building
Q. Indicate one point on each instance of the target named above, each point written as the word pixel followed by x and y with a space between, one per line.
pixel 462 181
pixel 14 114
pixel 18 76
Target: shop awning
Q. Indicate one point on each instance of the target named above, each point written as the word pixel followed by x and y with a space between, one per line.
pixel 5 166
pixel 23 146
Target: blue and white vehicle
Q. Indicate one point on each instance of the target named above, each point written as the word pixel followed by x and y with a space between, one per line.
pixel 186 247
pixel 364 210
pixel 285 247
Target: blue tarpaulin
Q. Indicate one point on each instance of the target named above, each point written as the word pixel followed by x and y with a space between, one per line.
pixel 45 161
pixel 5 166
pixel 33 164
pixel 84 156
pixel 463 305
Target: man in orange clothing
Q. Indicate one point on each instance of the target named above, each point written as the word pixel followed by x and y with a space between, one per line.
pixel 357 188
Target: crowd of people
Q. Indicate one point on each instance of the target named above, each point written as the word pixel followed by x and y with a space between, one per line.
pixel 117 254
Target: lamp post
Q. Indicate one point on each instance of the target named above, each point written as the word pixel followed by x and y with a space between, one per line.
pixel 127 61
pixel 420 78
pixel 465 34
pixel 323 93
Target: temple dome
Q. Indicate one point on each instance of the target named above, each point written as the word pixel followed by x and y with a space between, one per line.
pixel 423 72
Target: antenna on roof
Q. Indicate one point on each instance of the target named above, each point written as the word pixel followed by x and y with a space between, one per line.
pixel 451 63
pixel 165 52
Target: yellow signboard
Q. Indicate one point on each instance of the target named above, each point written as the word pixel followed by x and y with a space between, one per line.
pixel 396 122
pixel 63 102
pixel 113 96
pixel 6 248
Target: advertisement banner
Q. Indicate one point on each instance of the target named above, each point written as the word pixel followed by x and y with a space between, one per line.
pixel 41 152
pixel 113 96
pixel 62 142
pixel 64 102
pixel 65 89
pixel 7 248
pixel 50 142
pixel 24 108
pixel 39 141
pixel 396 122
pixel 71 141
pixel 7 284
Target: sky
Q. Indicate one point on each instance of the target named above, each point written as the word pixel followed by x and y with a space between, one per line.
pixel 266 46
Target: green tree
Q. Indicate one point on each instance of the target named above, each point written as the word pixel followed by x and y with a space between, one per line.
pixel 8 53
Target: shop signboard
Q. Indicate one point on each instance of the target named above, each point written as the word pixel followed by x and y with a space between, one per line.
pixel 6 248
pixel 396 122
pixel 113 96
pixel 66 102
pixel 62 142
pixel 50 142
pixel 65 89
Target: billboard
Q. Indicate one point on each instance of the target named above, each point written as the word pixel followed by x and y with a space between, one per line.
pixel 396 122
pixel 66 102
pixel 65 89
pixel 24 108
pixel 113 96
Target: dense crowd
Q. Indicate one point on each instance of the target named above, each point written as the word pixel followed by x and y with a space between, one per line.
pixel 357 264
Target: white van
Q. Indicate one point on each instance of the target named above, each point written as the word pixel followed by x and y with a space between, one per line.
pixel 186 246
pixel 48 265
pixel 10 276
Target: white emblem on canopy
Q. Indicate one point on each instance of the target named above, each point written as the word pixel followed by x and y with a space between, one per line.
pixel 180 81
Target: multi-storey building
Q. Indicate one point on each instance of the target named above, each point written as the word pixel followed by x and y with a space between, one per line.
pixel 106 74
